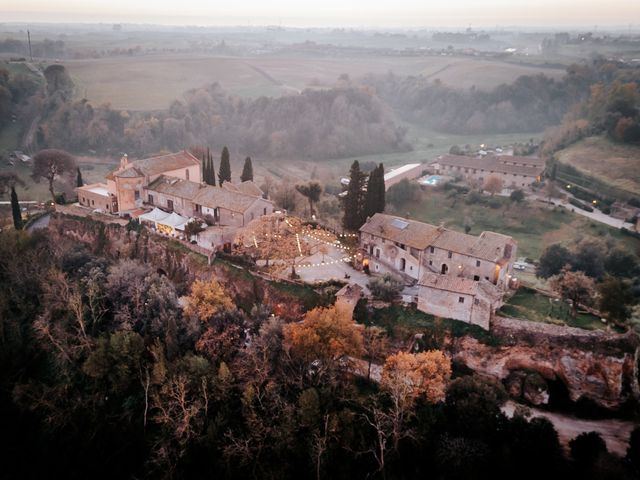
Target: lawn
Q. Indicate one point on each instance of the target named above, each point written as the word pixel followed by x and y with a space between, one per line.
pixel 402 323
pixel 530 305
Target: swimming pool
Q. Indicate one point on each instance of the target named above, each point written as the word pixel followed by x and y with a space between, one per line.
pixel 431 180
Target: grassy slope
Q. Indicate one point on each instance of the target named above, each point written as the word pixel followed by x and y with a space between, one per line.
pixel 612 163
pixel 529 305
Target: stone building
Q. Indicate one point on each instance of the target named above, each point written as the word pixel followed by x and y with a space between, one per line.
pixel 446 264
pixel 128 182
pixel 230 205
pixel 97 196
pixel 458 298
pixel 514 171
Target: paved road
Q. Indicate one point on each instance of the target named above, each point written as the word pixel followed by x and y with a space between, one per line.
pixel 614 432
pixel 596 215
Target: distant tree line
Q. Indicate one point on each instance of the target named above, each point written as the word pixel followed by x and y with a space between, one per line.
pixel 605 89
pixel 333 123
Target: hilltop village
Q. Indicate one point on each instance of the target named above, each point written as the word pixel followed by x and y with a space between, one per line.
pixel 458 276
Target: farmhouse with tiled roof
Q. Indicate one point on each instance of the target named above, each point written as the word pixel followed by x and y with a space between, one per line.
pixel 465 273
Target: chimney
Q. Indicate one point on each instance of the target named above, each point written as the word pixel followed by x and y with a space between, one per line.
pixel 124 161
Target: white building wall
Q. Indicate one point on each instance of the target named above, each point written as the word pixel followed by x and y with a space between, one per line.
pixel 476 310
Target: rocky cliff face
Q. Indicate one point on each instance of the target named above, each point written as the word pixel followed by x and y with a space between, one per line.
pixel 594 366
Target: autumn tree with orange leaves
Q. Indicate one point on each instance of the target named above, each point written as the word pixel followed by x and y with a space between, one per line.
pixel 206 299
pixel 324 340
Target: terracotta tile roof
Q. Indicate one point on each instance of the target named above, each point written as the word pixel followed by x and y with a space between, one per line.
pixel 249 188
pixel 231 187
pixel 533 161
pixel 455 241
pixel 175 187
pixel 163 163
pixel 460 285
pixel 214 197
pixel 408 232
pixel 131 172
pixel 487 246
pixel 492 163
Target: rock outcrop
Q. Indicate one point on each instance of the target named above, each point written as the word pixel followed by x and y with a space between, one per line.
pixel 595 366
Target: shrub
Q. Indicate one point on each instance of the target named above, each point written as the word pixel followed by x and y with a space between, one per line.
pixel 387 287
pixel 579 204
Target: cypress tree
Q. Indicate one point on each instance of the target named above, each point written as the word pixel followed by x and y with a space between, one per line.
pixel 371 201
pixel 381 199
pixel 354 214
pixel 15 209
pixel 212 172
pixel 247 170
pixel 204 168
pixel 224 174
pixel 79 181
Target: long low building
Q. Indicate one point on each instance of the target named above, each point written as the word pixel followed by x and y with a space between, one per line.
pixel 229 205
pixel 395 175
pixel 514 171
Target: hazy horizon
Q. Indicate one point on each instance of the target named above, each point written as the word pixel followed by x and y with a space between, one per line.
pixel 332 13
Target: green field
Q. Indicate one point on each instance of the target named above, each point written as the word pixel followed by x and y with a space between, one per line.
pixel 152 82
pixel 614 164
pixel 530 305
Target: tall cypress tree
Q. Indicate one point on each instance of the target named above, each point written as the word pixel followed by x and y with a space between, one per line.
pixel 204 168
pixel 381 198
pixel 15 209
pixel 212 171
pixel 224 174
pixel 247 170
pixel 371 201
pixel 354 214
pixel 79 181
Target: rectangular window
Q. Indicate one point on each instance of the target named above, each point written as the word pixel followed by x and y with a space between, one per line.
pixel 377 253
pixel 150 199
pixel 450 254
pixel 170 204
pixel 477 263
pixel 431 249
pixel 92 202
pixel 430 262
pixel 476 301
pixel 460 299
pixel 136 195
pixel 476 278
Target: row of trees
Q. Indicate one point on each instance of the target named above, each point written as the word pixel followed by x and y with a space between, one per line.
pixel 365 196
pixel 98 358
pixel 224 173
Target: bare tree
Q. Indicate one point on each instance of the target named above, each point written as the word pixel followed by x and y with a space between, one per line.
pixel 493 185
pixel 51 164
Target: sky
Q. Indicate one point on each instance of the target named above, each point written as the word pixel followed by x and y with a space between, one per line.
pixel 377 13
